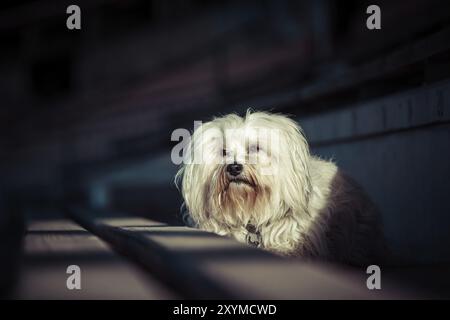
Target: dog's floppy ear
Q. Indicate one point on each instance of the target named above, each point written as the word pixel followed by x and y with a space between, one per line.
pixel 291 151
pixel 188 178
pixel 294 166
pixel 195 173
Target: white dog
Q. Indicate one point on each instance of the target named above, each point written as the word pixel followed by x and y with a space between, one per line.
pixel 253 178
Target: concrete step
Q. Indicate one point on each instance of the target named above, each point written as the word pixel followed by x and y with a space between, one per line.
pixel 200 264
pixel 51 246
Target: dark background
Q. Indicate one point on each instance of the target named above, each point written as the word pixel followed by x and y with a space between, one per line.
pixel 86 115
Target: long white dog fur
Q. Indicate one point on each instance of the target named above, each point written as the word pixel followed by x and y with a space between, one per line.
pixel 297 204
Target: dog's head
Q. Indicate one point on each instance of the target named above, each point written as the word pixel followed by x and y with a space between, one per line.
pixel 242 169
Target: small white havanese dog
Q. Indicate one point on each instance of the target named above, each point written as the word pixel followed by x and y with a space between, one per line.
pixel 253 178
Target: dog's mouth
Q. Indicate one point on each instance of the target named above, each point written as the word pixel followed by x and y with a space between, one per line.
pixel 240 181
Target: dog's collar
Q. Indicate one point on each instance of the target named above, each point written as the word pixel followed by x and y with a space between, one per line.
pixel 253 237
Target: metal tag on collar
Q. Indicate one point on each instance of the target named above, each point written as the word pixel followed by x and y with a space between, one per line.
pixel 253 237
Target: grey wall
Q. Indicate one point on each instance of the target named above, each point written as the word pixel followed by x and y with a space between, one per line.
pixel 398 148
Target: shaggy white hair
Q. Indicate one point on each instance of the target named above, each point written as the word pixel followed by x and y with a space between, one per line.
pixel 296 204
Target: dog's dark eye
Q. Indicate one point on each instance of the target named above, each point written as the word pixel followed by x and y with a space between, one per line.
pixel 254 148
pixel 224 152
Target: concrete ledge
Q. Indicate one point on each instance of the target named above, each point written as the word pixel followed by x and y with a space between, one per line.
pixel 198 264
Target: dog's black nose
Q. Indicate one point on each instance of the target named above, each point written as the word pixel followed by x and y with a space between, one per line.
pixel 234 169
